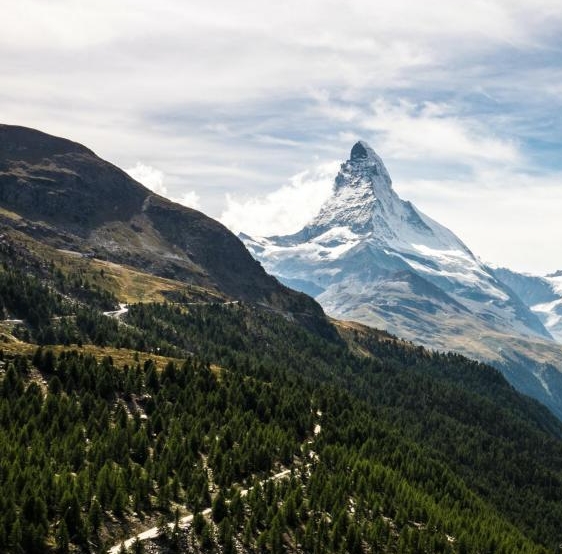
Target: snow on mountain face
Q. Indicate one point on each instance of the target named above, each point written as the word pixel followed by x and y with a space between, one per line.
pixel 365 237
pixel 543 295
pixel 552 311
pixel 362 186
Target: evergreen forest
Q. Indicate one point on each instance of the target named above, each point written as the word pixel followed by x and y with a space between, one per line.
pixel 274 435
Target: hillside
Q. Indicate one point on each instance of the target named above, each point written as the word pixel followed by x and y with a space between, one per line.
pixel 411 447
pixel 63 195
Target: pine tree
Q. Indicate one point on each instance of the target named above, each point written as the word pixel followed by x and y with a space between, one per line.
pixel 94 516
pixel 220 509
pixel 62 539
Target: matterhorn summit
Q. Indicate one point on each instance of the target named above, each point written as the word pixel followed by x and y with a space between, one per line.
pixel 363 234
pixel 364 202
pixel 371 257
pixel 362 185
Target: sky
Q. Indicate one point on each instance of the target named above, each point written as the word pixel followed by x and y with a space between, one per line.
pixel 245 109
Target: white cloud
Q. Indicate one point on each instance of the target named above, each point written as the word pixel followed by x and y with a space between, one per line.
pixel 150 177
pixel 153 179
pixel 136 55
pixel 72 24
pixel 285 210
pixel 408 130
pixel 190 199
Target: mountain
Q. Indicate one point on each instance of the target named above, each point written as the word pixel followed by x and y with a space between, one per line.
pixel 61 194
pixel 371 257
pixel 543 295
pixel 216 417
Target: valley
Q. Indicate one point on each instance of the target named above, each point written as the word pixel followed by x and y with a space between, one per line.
pixel 153 373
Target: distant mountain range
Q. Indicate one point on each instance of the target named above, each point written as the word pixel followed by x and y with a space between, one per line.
pixel 543 295
pixel 370 256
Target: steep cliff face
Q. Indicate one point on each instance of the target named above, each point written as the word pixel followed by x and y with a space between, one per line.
pixel 65 195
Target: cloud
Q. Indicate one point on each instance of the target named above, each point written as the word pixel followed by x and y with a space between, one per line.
pixel 408 130
pixel 190 199
pixel 153 179
pixel 135 55
pixel 420 130
pixel 148 176
pixel 285 210
pixel 505 217
pixel 223 100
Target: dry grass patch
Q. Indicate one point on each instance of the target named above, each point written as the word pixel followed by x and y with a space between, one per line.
pixel 120 356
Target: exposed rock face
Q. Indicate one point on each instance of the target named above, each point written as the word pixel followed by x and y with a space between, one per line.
pixel 62 183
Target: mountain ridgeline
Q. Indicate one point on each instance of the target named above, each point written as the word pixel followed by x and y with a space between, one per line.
pixel 67 197
pixel 223 412
pixel 371 257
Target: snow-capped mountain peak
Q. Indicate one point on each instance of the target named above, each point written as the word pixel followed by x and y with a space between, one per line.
pixel 361 184
pixel 365 232
pixel 362 156
pixel 372 257
pixel 364 202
